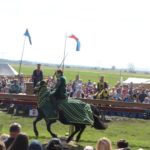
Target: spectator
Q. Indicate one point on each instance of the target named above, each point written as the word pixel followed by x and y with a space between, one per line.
pixel 112 93
pixel 4 137
pixel 102 84
pixel 20 143
pixel 37 75
pixel 102 89
pixel 128 98
pixel 147 99
pixel 2 145
pixel 54 144
pixel 14 130
pixel 123 144
pixel 15 88
pixel 21 83
pixel 118 96
pixel 104 144
pixel 77 87
pixel 88 148
pixel 35 145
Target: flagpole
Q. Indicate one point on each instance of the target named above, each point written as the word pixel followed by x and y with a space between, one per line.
pixel 63 64
pixel 22 55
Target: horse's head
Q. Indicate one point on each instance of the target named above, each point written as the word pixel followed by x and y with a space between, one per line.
pixel 39 85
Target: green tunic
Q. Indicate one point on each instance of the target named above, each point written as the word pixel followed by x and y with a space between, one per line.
pixel 60 89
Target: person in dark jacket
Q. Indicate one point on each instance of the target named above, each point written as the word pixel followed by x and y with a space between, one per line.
pixel 20 143
pixel 37 75
pixel 14 130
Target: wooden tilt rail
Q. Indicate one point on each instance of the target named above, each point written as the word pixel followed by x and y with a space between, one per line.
pixel 32 99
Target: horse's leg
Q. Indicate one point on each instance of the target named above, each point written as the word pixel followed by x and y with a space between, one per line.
pixel 77 129
pixel 48 124
pixel 39 117
pixel 82 128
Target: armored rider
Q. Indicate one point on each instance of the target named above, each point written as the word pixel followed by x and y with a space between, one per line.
pixel 59 92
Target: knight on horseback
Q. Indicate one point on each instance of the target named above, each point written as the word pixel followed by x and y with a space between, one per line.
pixel 59 92
pixel 54 105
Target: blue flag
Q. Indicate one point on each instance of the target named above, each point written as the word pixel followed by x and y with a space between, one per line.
pixel 28 35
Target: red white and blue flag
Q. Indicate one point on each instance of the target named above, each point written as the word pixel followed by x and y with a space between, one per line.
pixel 77 40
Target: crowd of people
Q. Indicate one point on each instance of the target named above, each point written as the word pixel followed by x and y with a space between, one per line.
pixel 78 89
pixel 16 140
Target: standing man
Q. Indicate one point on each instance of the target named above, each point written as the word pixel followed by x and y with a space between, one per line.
pixel 102 89
pixel 37 75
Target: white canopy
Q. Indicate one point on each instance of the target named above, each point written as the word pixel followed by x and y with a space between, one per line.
pixel 137 81
pixel 7 70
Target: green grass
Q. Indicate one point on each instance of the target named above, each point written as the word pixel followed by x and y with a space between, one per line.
pixel 110 76
pixel 135 131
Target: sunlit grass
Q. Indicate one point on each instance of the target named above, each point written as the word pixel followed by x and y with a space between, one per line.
pixel 135 131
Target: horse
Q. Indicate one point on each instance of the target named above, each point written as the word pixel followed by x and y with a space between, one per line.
pixel 79 128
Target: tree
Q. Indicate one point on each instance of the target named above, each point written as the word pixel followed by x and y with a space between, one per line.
pixel 131 68
pixel 113 67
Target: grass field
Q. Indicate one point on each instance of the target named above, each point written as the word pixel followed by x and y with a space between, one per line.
pixel 110 76
pixel 136 131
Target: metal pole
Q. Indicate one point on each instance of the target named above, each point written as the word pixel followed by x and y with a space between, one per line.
pixel 63 65
pixel 22 55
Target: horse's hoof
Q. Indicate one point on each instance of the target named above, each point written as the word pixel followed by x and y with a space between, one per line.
pixel 77 140
pixel 36 137
pixel 54 136
pixel 68 140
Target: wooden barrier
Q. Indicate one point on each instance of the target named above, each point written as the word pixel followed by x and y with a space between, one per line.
pixel 33 99
pixel 116 103
pixel 105 106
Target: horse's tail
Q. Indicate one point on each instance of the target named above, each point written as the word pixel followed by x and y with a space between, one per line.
pixel 98 123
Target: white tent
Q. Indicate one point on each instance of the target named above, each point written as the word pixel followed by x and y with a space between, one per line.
pixel 136 81
pixel 7 70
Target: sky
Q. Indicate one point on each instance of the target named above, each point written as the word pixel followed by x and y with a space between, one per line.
pixel 111 32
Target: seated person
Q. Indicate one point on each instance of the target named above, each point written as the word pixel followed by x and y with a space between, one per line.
pixel 2 145
pixel 20 142
pixel 142 96
pixel 14 87
pixel 118 96
pixel 88 148
pixel 14 130
pixel 128 99
pixel 103 144
pixel 54 144
pixel 123 144
pixel 35 145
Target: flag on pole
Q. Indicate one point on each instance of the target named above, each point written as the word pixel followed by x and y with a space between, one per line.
pixel 28 35
pixel 77 40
